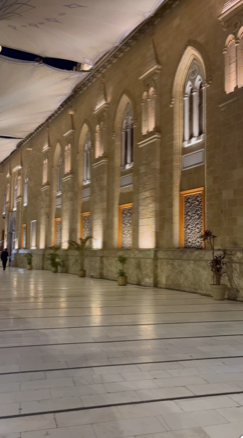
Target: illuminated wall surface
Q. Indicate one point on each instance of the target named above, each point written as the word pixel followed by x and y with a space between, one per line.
pixel 193 220
pixel 126 227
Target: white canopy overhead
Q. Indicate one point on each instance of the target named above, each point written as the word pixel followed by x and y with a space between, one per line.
pixel 6 147
pixel 77 30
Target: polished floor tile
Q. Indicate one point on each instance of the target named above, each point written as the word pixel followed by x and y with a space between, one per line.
pixel 84 358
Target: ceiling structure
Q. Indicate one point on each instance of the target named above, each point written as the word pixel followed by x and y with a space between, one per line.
pixel 77 30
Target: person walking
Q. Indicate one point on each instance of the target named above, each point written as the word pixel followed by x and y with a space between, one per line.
pixel 4 258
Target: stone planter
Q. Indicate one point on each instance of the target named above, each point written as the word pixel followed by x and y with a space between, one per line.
pixel 218 291
pixel 82 273
pixel 122 281
pixel 29 267
pixel 54 270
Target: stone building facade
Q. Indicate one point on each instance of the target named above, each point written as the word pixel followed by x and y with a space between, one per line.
pixel 145 155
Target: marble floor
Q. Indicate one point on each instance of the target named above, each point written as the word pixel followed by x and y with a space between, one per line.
pixel 84 358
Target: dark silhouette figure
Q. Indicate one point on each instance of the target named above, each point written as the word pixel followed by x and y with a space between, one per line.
pixel 4 258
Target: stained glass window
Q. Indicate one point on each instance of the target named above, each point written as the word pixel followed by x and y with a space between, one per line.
pixel 193 220
pixel 126 227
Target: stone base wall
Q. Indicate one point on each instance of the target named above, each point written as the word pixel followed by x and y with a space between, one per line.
pixel 181 269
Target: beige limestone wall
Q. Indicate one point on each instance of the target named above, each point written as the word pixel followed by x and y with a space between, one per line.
pixel 188 29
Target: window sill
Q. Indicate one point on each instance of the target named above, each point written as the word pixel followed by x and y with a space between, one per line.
pixel 193 141
pixel 85 183
pixel 25 204
pixel 126 167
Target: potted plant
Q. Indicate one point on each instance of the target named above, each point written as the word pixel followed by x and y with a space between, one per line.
pixel 81 248
pixel 217 266
pixel 122 277
pixel 29 257
pixel 55 259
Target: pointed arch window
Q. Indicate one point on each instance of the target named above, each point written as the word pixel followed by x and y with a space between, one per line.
pixel 127 138
pixel 87 159
pixel 59 176
pixel 15 194
pixel 194 105
pixel 67 158
pixel 45 172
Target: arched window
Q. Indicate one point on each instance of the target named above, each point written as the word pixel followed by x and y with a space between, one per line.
pixel 59 176
pixel 26 180
pixel 87 159
pixel 67 158
pixel 127 138
pixel 194 105
pixel 230 65
pixel 145 116
pixel 151 109
pixel 45 172
pixel 15 193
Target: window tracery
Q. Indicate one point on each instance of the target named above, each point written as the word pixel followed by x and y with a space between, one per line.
pixel 194 105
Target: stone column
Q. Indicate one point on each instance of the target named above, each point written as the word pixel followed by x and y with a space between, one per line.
pixel 99 202
pixel 186 118
pixel 195 113
pixel 148 218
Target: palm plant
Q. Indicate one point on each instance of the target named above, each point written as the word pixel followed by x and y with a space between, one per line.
pixel 81 249
pixel 54 258
pixel 29 257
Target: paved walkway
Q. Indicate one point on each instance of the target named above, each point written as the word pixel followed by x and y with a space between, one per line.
pixel 83 358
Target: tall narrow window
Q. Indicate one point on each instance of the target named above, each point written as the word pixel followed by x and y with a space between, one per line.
pixel 4 201
pixel 15 195
pixel 230 65
pixel 87 159
pixel 26 180
pixel 59 176
pixel 33 231
pixel 98 142
pixel 67 158
pixel 45 172
pixel 127 138
pixel 145 114
pixel 151 106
